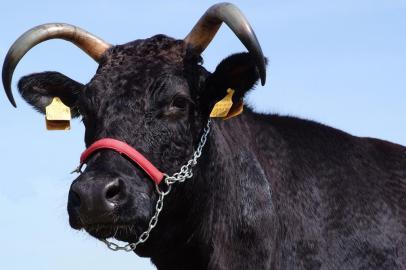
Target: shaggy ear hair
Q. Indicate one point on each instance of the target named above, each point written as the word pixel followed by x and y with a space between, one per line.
pixel 40 88
pixel 238 72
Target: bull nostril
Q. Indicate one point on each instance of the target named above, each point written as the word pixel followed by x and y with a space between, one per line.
pixel 74 199
pixel 113 191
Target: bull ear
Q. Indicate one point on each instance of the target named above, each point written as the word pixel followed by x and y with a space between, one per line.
pixel 40 88
pixel 238 72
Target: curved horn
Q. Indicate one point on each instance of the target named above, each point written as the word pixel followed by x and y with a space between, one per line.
pixel 206 28
pixel 92 45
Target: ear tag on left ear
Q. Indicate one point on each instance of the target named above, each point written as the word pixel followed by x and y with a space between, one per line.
pixel 222 107
pixel 225 107
pixel 57 115
pixel 235 110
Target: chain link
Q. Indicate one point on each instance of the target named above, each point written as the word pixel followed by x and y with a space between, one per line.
pixel 186 172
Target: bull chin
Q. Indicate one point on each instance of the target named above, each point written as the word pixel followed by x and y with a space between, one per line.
pixel 121 232
pixel 127 232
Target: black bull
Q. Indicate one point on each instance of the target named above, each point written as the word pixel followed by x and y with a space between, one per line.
pixel 268 192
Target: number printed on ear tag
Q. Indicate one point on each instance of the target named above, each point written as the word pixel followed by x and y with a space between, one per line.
pixel 57 115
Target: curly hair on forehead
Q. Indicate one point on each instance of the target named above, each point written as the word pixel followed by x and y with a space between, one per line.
pixel 157 49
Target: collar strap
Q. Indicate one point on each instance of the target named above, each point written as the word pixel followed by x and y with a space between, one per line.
pixel 126 150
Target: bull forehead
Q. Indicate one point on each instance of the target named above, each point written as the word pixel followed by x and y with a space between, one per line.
pixel 130 69
pixel 146 55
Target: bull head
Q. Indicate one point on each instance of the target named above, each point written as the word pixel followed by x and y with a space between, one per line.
pixel 155 95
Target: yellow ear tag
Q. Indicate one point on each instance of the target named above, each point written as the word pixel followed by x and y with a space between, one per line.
pixel 225 108
pixel 57 115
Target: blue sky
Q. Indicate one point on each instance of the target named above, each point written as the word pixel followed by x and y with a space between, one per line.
pixel 342 63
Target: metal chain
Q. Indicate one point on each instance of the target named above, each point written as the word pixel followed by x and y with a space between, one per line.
pixel 180 177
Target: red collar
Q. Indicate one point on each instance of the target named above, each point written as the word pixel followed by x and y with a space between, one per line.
pixel 128 151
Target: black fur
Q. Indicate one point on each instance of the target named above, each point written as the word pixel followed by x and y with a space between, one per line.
pixel 269 192
pixel 238 72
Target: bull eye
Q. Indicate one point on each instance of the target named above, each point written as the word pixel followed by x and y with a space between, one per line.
pixel 179 103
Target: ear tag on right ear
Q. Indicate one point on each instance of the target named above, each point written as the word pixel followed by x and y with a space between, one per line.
pixel 57 115
pixel 222 107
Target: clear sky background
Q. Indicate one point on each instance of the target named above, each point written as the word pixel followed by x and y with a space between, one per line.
pixel 339 62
